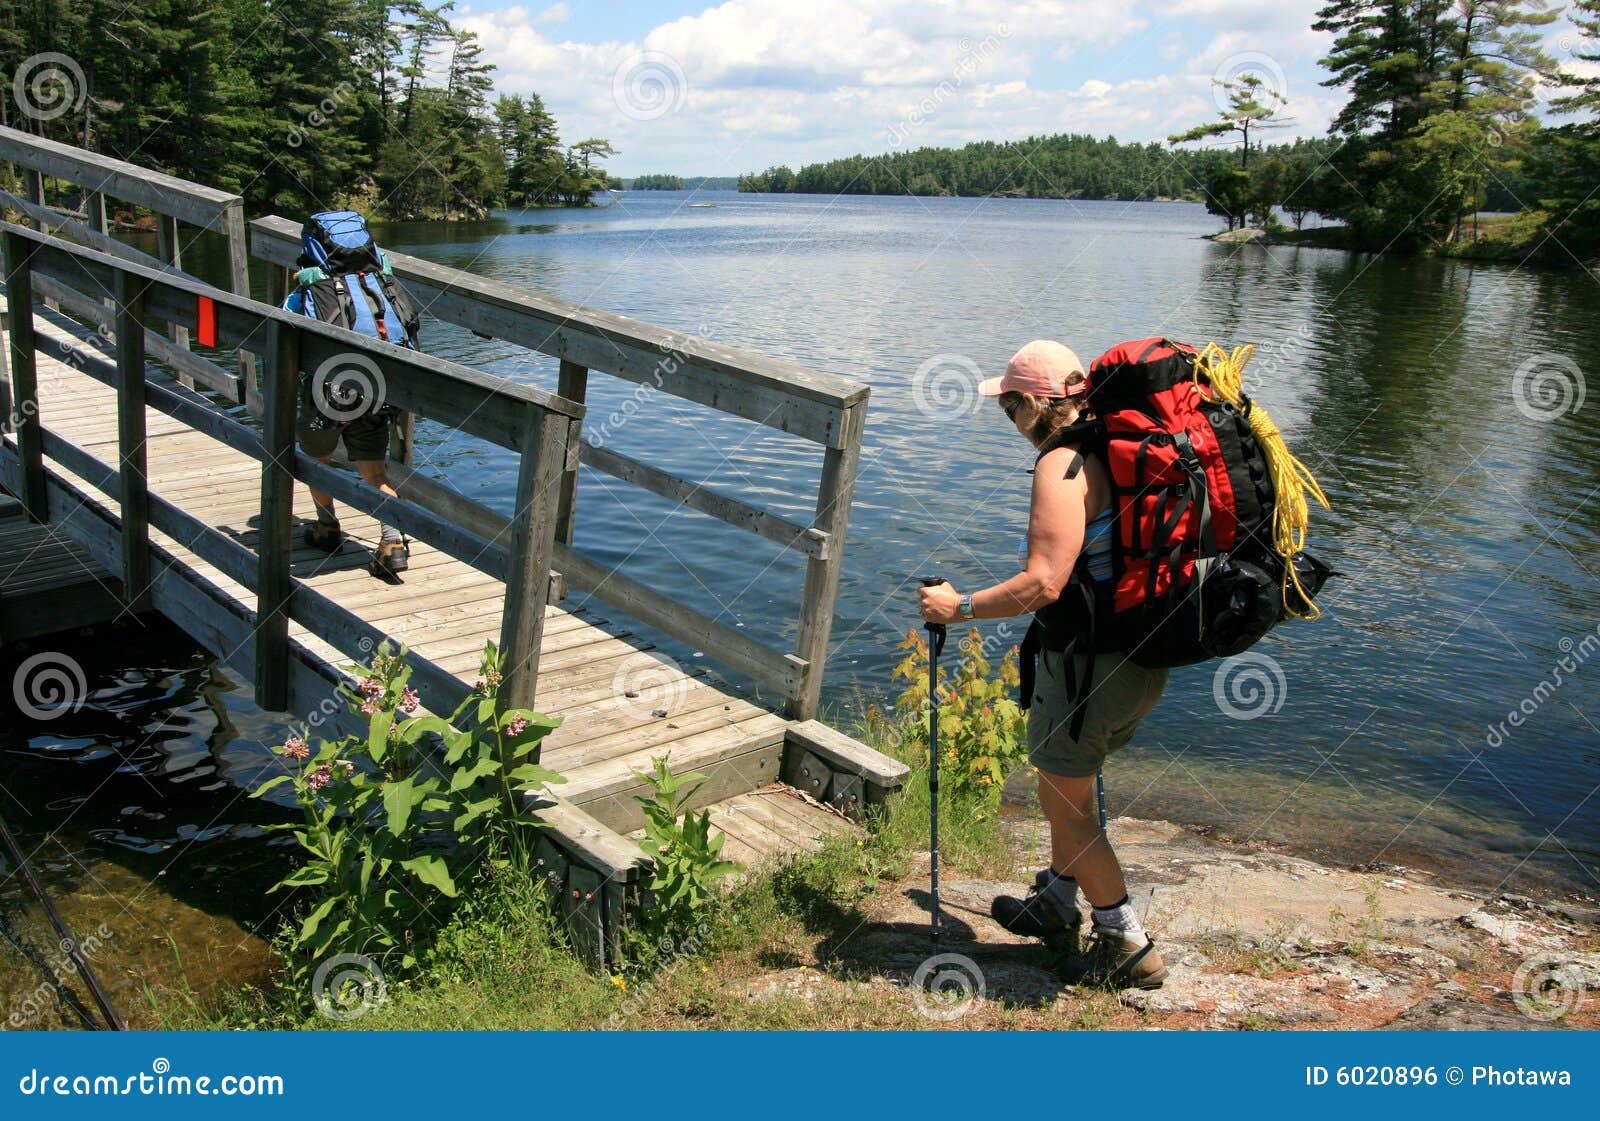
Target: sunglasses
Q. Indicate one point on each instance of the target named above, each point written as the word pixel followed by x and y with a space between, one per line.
pixel 1012 408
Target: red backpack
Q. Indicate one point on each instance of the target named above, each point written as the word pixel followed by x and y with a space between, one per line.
pixel 1195 571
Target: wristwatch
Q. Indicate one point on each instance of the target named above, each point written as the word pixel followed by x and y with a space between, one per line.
pixel 966 610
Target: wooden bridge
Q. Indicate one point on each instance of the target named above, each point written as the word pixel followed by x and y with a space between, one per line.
pixel 158 477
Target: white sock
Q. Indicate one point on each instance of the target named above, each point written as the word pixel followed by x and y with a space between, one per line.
pixel 1120 917
pixel 1062 890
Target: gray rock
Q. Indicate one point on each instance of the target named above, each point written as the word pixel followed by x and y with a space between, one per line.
pixel 1444 1014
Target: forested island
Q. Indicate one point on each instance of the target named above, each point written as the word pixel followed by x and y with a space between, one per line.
pixel 1444 119
pixel 385 106
pixel 682 183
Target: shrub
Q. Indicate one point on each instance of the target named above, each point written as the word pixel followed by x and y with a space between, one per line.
pixel 396 823
pixel 982 731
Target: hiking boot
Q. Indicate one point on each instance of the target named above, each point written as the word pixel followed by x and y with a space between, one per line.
pixel 328 538
pixel 390 559
pixel 1039 915
pixel 1111 962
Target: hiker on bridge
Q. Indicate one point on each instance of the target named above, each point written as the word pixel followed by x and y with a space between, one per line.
pixel 345 279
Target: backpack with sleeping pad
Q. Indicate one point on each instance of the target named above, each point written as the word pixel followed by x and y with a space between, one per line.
pixel 345 279
pixel 1208 517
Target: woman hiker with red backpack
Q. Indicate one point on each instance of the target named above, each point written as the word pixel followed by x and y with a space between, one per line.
pixel 1042 393
pixel 1167 526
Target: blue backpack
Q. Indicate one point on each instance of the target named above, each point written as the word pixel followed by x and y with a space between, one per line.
pixel 345 280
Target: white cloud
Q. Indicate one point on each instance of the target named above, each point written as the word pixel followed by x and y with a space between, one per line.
pixel 768 81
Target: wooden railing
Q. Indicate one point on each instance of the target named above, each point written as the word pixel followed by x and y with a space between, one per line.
pixel 541 429
pixel 828 410
pixel 170 201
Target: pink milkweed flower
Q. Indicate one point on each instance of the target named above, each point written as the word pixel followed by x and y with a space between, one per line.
pixel 372 687
pixel 515 725
pixel 295 748
pixel 320 777
pixel 370 707
pixel 409 699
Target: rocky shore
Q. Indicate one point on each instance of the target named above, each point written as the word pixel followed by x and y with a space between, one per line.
pixel 1254 938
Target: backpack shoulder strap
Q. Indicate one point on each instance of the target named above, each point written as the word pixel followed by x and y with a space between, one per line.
pixel 1087 436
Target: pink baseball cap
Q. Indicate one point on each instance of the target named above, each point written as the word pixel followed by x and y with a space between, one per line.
pixel 1040 368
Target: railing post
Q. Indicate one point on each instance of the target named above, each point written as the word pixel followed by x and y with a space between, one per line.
pixel 232 226
pixel 532 545
pixel 276 542
pixel 573 384
pixel 132 469
pixel 834 496
pixel 23 414
pixel 168 249
pixel 94 209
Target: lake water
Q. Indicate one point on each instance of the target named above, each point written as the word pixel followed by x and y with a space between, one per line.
pixel 1465 519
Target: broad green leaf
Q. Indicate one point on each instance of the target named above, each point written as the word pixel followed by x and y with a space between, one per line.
pixel 431 871
pixel 314 919
pixel 399 799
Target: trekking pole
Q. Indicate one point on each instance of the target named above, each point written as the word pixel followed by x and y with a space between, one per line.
pixel 1100 796
pixel 936 633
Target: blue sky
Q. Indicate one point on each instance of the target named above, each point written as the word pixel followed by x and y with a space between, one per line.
pixel 717 89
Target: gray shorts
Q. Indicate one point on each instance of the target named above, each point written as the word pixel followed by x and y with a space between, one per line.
pixel 1122 694
pixel 365 437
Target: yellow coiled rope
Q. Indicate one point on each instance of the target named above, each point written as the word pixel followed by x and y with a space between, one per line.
pixel 1220 375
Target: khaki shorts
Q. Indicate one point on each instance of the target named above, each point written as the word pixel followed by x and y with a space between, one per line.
pixel 365 437
pixel 1122 694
